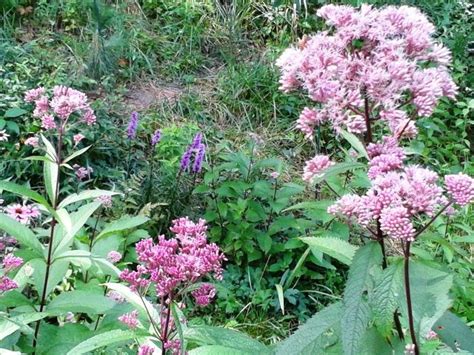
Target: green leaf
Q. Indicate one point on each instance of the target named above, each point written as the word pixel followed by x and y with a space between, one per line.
pixel 14 112
pixel 101 340
pixel 227 338
pixel 337 248
pixel 122 224
pixel 281 297
pixel 427 284
pixel 80 302
pixel 337 169
pixel 180 322
pixel 264 242
pixel 85 195
pixel 76 154
pixel 51 152
pixel 135 300
pixel 51 175
pixel 21 233
pixel 384 297
pixel 356 314
pixel 217 350
pixel 79 218
pixel 56 274
pixel 316 335
pixel 454 332
pixel 355 143
pixel 54 340
pixel 10 325
pixel 24 192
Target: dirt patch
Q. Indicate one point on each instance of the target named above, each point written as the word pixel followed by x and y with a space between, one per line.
pixel 152 94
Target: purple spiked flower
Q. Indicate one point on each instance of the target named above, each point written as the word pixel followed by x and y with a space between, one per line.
pixel 186 159
pixel 156 137
pixel 198 158
pixel 132 125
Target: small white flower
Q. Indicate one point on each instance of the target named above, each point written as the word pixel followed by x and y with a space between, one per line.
pixel 4 136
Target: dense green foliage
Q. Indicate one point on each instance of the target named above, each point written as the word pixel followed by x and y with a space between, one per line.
pixel 208 66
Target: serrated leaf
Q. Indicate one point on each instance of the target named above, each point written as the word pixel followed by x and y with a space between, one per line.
pixel 337 248
pixel 385 295
pixel 427 284
pixel 230 339
pixel 356 313
pixel 101 340
pixel 315 335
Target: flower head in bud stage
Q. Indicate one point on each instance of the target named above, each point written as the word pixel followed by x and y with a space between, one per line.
pixel 114 256
pixel 275 175
pixel 460 187
pixel 82 172
pixel 32 141
pixel 146 350
pixel 130 319
pixel 7 284
pixel 381 54
pixel 105 200
pixel 204 294
pixel 316 166
pixel 77 138
pixel 11 262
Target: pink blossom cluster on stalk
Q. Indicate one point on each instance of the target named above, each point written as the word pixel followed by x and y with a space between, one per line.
pixel 172 265
pixel 9 263
pixel 387 55
pixel 54 112
pixel 401 195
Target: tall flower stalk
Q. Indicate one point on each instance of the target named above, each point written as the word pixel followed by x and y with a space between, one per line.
pixel 378 68
pixel 131 134
pixel 56 115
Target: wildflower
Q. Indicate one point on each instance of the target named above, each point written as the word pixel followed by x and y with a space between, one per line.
pixel 69 318
pixel 114 256
pixel 130 319
pixel 145 350
pixel 41 106
pixel 7 284
pixel 275 175
pixel 47 122
pixel 32 141
pixel 204 294
pixel 199 157
pixel 461 188
pixel 194 154
pixel 132 125
pixel 105 200
pixel 374 54
pixel 316 166
pixel 156 137
pixel 115 296
pixel 77 138
pixel 396 223
pixel 11 262
pixel 431 335
pixel 34 94
pixel 22 213
pixel 82 172
pixel 4 136
pixel 173 345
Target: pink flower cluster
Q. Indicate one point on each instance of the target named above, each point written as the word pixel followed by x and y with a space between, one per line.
pixel 114 256
pixel 400 194
pixel 386 57
pixel 130 319
pixel 9 263
pixel 180 261
pixel 64 102
pixel 315 167
pixel 23 213
pixel 82 172
pixel 204 294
